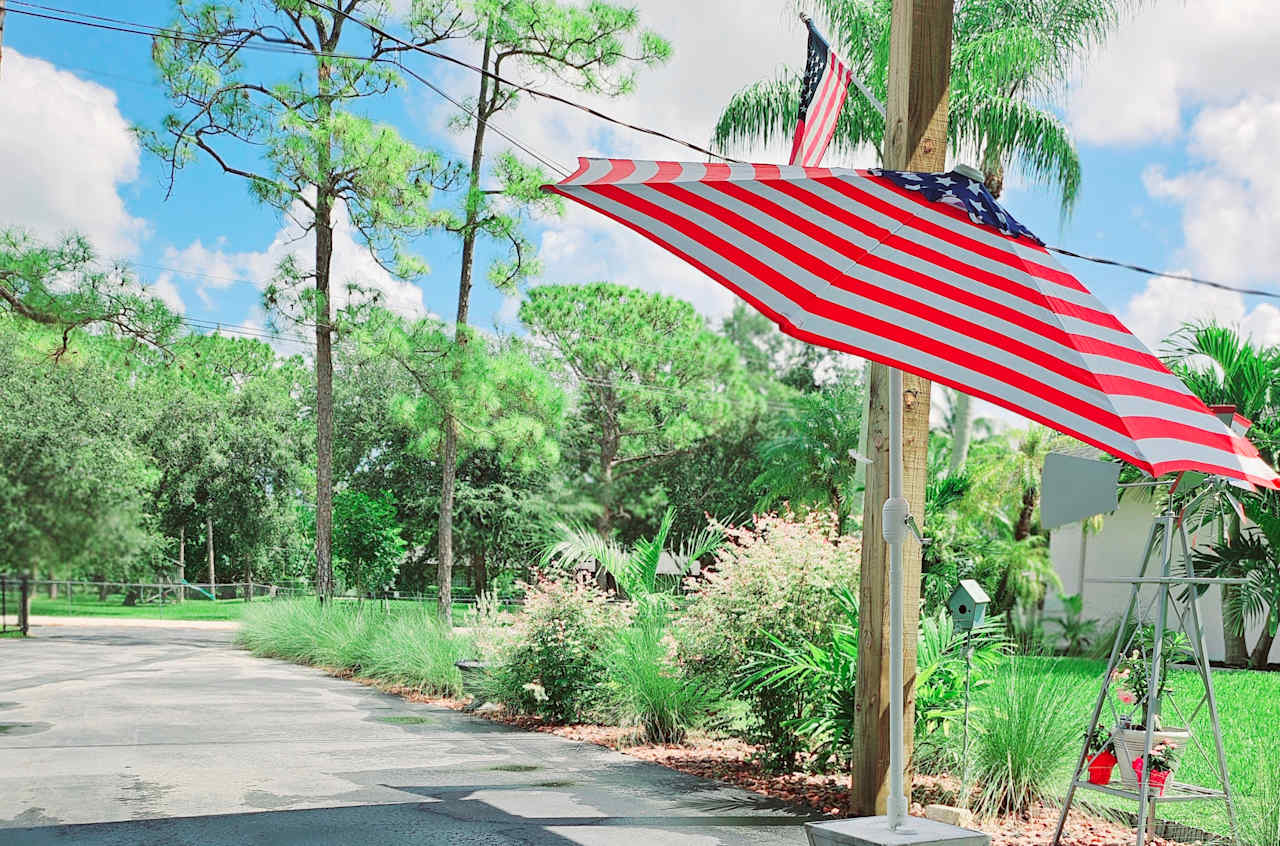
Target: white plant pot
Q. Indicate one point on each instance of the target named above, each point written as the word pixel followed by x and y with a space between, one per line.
pixel 1131 743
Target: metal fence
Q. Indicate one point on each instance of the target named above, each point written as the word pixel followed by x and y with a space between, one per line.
pixel 83 592
pixel 14 592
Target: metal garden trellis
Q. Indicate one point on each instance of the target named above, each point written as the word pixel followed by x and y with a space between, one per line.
pixel 924 273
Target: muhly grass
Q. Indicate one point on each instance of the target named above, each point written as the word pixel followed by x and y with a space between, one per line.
pixel 647 690
pixel 1259 813
pixel 411 647
pixel 1024 732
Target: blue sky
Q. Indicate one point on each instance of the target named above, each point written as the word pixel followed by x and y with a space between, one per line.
pixel 1176 120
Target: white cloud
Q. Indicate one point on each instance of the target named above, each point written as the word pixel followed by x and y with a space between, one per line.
pixel 1166 303
pixel 1171 56
pixel 1231 203
pixel 212 268
pixel 65 150
pixel 164 289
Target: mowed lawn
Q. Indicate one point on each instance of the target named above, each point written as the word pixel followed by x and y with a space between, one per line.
pixel 113 606
pixel 83 605
pixel 1248 712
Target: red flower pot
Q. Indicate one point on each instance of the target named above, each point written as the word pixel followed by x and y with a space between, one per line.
pixel 1158 777
pixel 1101 766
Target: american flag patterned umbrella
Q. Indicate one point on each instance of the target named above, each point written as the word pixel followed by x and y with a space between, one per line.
pixel 927 273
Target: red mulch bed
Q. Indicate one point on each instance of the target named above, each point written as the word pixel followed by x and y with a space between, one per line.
pixel 729 760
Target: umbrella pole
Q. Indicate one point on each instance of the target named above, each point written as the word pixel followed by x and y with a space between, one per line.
pixel 894 528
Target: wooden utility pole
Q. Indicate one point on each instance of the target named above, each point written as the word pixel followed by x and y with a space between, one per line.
pixel 915 139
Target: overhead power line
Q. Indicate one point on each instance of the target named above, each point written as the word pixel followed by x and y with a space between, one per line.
pixel 57 14
pixel 376 30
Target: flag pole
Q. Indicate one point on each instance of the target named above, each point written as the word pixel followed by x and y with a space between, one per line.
pixel 894 528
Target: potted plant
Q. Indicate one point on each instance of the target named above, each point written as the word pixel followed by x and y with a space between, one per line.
pixel 1131 678
pixel 1162 761
pixel 1102 758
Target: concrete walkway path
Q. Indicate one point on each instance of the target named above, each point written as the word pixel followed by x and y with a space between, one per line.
pixel 143 735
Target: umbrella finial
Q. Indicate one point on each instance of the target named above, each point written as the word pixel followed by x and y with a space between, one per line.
pixel 804 16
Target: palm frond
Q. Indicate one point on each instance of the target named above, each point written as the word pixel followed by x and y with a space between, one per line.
pixel 1038 142
pixel 577 544
pixel 763 112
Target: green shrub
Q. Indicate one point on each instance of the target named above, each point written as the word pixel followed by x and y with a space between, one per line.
pixel 1025 734
pixel 553 663
pixel 773 582
pixel 408 646
pixel 644 686
pixel 826 673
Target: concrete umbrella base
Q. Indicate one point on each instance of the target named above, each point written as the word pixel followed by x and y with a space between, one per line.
pixel 875 831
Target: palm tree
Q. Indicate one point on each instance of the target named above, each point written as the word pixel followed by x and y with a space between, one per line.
pixel 1008 60
pixel 814 461
pixel 1222 367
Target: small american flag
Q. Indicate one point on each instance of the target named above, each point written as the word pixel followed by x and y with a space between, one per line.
pixel 927 273
pixel 822 92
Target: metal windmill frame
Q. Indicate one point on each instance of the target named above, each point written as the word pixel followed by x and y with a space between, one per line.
pixel 1168 536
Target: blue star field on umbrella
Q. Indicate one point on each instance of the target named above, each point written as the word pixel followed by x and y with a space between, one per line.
pixel 957 190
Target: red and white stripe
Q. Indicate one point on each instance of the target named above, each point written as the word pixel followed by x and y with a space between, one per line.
pixel 846 260
pixel 813 134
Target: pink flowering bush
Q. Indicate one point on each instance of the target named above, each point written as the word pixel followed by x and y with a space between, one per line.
pixel 552 663
pixel 778 576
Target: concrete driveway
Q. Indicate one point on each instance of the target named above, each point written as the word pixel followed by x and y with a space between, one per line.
pixel 154 735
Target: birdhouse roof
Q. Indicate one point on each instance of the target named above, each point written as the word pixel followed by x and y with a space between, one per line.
pixel 973 590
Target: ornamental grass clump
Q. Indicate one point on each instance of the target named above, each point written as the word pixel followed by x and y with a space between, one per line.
pixel 1024 736
pixel 1259 818
pixel 406 647
pixel 416 649
pixel 646 688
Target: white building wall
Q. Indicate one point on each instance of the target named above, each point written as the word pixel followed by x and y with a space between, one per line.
pixel 1117 551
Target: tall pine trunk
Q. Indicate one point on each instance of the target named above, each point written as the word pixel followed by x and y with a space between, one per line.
pixel 182 563
pixel 324 401
pixel 444 535
pixel 324 334
pixel 449 451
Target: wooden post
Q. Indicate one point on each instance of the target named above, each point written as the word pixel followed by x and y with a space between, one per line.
pixel 208 540
pixel 915 139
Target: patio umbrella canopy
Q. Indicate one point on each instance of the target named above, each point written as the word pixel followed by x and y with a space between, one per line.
pixel 926 273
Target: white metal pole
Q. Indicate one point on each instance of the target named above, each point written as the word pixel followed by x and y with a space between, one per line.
pixel 894 529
